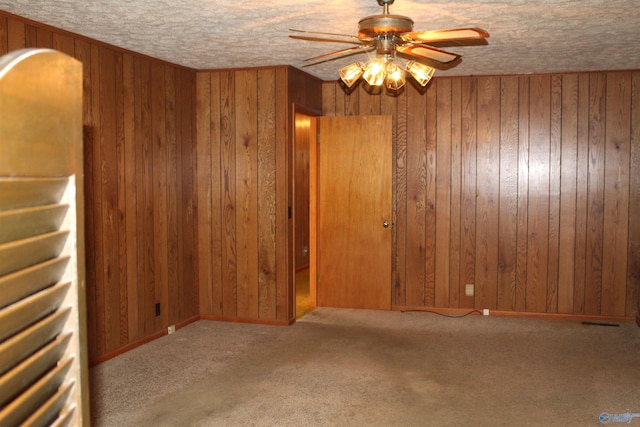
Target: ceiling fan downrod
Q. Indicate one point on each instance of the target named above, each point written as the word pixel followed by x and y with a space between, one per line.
pixel 385 4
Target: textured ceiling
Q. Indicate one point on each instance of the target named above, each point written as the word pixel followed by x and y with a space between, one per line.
pixel 532 36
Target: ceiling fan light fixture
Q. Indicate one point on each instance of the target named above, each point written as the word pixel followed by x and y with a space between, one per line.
pixel 351 73
pixel 375 72
pixel 420 72
pixel 395 76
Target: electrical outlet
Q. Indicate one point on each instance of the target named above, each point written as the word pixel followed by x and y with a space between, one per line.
pixel 171 329
pixel 469 290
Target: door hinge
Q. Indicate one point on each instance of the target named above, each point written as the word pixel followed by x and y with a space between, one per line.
pixel 290 212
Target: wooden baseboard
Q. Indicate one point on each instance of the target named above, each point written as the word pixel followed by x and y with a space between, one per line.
pixel 138 343
pixel 563 316
pixel 247 320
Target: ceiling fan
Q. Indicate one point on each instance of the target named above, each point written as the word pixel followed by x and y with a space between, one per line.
pixel 392 39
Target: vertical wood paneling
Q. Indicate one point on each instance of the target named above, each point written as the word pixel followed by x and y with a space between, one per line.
pixel 130 208
pixel 523 193
pixel 159 203
pixel 582 192
pixel 488 188
pixel 430 197
pixel 107 167
pixel 4 39
pixel 121 202
pixel 456 193
pixel 352 102
pixel 554 193
pixel 266 173
pixel 328 99
pixel 64 43
pixel 228 196
pixel 30 36
pixel 138 139
pixel 285 91
pixel 215 239
pixel 595 203
pixel 185 125
pixel 442 254
pixel 508 215
pixel 175 312
pixel 399 295
pixel 243 127
pixel 538 212
pixel 247 193
pixel 144 178
pixel 633 261
pixel 568 194
pixel 534 192
pixel 616 193
pixel 205 174
pixel 15 34
pixel 44 38
pixel 92 148
pixel 205 142
pixel 416 198
pixel 468 194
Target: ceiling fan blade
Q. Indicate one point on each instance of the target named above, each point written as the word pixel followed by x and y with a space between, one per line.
pixel 427 52
pixel 322 39
pixel 319 33
pixel 339 52
pixel 335 55
pixel 446 35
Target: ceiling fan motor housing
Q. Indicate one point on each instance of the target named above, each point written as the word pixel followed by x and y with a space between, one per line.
pixel 385 30
pixel 376 25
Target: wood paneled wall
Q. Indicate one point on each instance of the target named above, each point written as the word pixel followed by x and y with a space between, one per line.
pixel 527 187
pixel 245 171
pixel 139 132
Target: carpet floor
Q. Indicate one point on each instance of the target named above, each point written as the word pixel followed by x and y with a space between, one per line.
pixel 342 367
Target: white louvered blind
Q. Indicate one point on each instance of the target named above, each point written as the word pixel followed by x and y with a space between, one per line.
pixel 43 374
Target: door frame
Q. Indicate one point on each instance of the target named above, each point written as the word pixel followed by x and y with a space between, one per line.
pixel 312 114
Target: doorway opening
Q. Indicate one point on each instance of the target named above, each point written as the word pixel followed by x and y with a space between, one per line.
pixel 303 137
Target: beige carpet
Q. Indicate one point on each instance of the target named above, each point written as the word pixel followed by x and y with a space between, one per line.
pixel 338 367
pixel 303 301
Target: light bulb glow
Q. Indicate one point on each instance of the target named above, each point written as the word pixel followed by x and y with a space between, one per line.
pixel 420 72
pixel 374 72
pixel 351 73
pixel 395 76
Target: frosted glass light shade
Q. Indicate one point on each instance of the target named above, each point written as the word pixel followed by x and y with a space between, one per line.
pixel 395 77
pixel 422 73
pixel 351 73
pixel 374 72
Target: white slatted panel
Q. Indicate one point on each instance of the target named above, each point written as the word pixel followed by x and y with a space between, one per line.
pixel 34 381
pixel 43 380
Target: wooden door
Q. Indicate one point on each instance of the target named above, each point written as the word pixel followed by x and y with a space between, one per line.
pixel 354 211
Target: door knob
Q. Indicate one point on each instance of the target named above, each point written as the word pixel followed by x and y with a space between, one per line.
pixel 385 224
